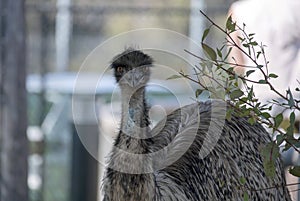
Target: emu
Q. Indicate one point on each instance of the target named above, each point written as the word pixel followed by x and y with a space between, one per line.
pixel 179 159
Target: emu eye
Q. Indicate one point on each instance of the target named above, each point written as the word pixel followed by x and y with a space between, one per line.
pixel 120 69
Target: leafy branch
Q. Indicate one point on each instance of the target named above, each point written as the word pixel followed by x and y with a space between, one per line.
pixel 232 27
pixel 217 76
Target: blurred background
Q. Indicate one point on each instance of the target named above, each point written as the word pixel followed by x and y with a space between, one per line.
pixel 60 34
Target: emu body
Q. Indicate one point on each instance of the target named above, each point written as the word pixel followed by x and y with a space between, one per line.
pixel 136 168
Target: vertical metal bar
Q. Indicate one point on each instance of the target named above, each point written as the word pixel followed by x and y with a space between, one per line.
pixel 14 147
pixel 84 167
pixel 85 141
pixel 2 15
pixel 62 34
pixel 44 26
pixel 197 24
pixel 196 28
pixel 43 62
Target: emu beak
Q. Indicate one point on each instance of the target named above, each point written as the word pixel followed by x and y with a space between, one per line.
pixel 135 79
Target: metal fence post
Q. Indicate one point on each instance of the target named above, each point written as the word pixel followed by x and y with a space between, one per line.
pixel 84 166
pixel 63 31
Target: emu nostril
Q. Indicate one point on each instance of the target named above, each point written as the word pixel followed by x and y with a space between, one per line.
pixel 134 78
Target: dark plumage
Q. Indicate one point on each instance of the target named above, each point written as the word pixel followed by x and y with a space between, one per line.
pixel 128 60
pixel 193 154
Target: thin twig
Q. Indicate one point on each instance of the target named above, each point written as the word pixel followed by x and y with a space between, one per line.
pixel 230 37
pixel 228 71
pixel 294 147
pixel 294 190
pixel 225 62
pixel 245 53
pixel 276 186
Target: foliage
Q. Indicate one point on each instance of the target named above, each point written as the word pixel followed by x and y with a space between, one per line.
pixel 216 75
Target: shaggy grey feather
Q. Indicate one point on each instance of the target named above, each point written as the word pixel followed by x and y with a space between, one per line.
pixel 194 154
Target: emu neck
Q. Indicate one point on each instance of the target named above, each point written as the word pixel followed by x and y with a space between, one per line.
pixel 137 180
pixel 134 113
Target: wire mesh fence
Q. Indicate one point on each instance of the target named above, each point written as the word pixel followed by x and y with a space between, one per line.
pixel 91 25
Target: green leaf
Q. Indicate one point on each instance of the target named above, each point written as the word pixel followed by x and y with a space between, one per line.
pixel 278 120
pixel 236 94
pixel 254 43
pixel 219 53
pixel 297 144
pixel 274 151
pixel 265 115
pixel 258 54
pixel 279 139
pixel 269 167
pixel 244 100
pixel 295 171
pixel 230 69
pixel 292 118
pixel 198 92
pixel 246 112
pixel 251 120
pixel 291 98
pixel 270 154
pixel 292 140
pixel 297 89
pixel 246 196
pixel 205 33
pixel 230 25
pixel 262 82
pixel 275 101
pixel 209 51
pixel 241 39
pixel 287 147
pixel 174 77
pixel 229 114
pixel 250 94
pixel 249 72
pixel 272 75
pixel 243 180
pixel 259 66
pixel 290 129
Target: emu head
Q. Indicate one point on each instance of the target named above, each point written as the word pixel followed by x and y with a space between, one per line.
pixel 131 68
